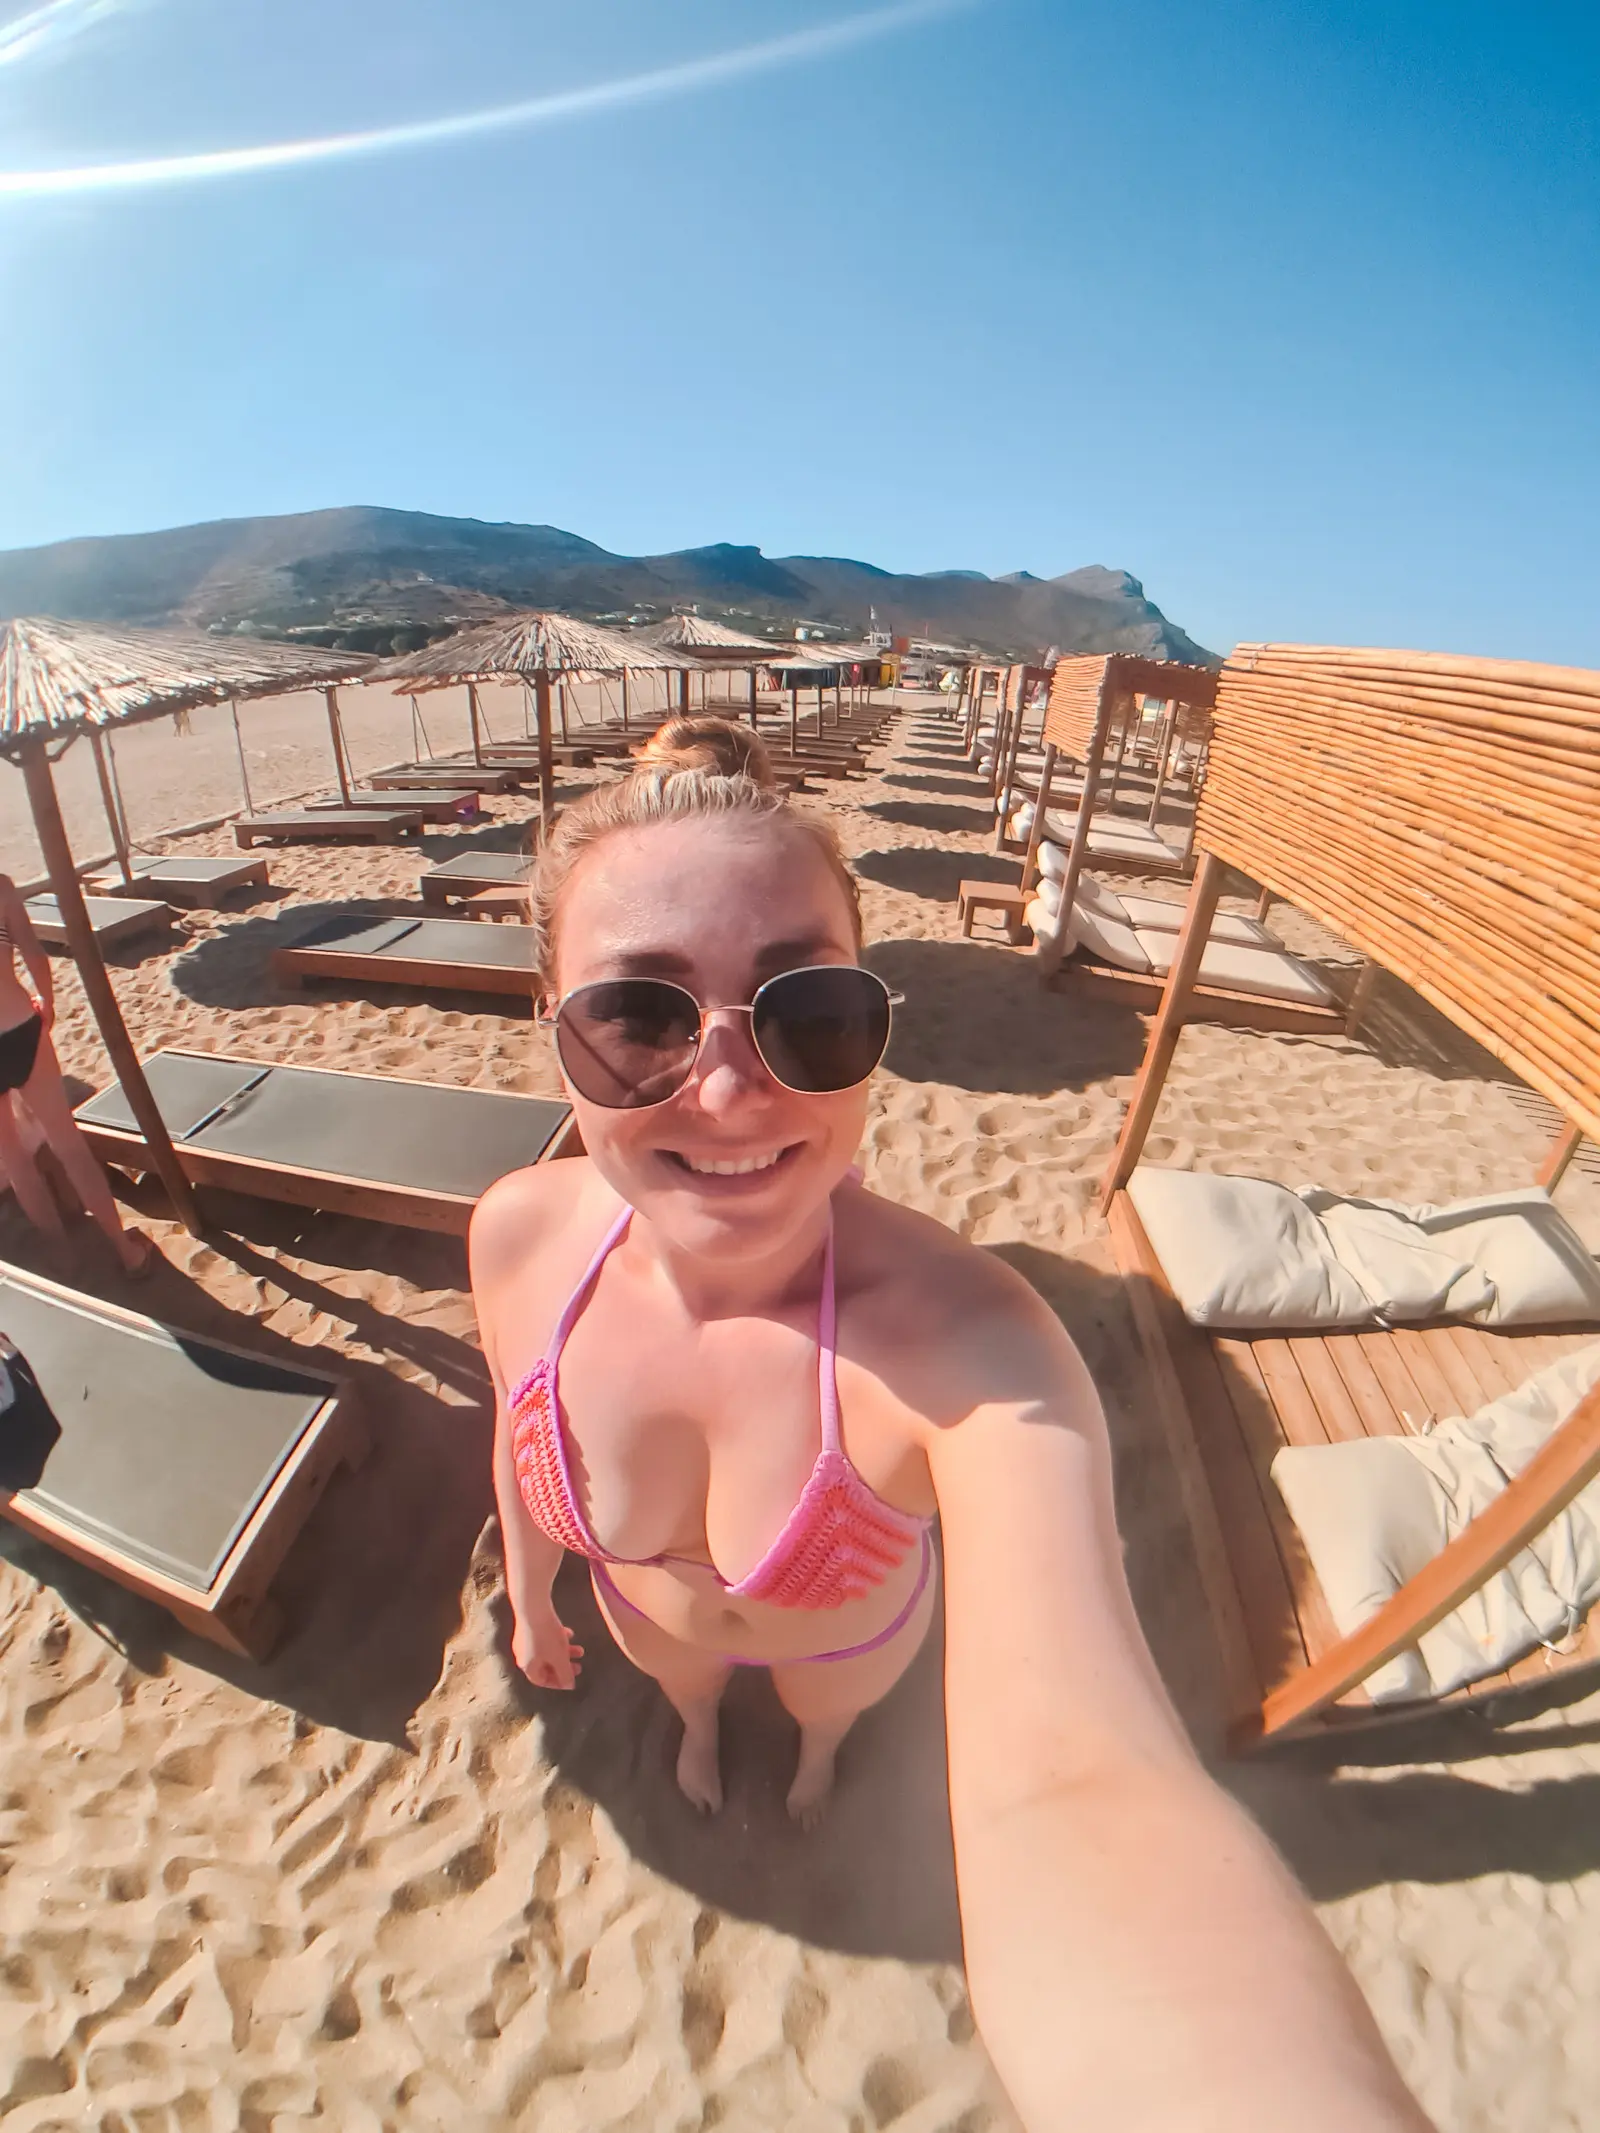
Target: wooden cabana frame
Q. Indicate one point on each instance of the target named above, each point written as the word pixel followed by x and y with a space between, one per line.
pixel 1440 813
pixel 1091 695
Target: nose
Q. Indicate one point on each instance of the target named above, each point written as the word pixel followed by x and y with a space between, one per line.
pixel 729 1071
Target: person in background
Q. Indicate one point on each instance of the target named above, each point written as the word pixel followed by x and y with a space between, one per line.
pixel 30 1074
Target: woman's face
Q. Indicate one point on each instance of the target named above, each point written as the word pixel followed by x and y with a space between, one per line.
pixel 717 905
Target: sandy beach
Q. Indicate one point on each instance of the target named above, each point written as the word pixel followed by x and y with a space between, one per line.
pixel 381 1882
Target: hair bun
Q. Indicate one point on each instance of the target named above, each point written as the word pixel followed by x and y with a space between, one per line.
pixel 710 743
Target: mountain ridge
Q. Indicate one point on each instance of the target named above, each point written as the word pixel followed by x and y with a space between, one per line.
pixel 361 570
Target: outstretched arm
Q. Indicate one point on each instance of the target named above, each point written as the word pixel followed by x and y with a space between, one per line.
pixel 1139 1957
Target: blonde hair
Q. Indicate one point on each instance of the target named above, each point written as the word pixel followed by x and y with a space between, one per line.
pixel 710 742
pixel 692 768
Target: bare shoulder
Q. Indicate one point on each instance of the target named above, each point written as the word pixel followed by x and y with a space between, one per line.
pixel 521 1212
pixel 955 1325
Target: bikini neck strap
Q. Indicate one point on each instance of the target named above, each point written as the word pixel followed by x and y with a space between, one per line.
pixel 827 1319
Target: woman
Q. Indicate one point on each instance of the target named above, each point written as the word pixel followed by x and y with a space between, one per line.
pixel 30 1072
pixel 742 1386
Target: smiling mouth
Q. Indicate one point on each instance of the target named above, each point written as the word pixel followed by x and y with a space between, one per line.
pixel 744 1166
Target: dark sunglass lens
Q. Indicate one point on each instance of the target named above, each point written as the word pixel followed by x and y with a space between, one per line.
pixel 822 1030
pixel 628 1042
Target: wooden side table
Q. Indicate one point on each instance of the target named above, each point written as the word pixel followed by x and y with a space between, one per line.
pixel 1000 896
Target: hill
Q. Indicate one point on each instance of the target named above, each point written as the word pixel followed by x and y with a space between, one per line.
pixel 362 573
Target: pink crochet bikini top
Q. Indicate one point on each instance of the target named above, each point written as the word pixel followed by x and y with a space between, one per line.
pixel 840 1540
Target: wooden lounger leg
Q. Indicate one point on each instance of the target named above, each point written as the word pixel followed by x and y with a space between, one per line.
pixel 250 1630
pixel 1554 1167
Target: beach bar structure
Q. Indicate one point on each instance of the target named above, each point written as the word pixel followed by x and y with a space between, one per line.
pixel 62 680
pixel 537 649
pixel 1442 814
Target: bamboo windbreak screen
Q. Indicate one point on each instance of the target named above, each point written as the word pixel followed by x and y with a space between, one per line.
pixel 1083 681
pixel 1443 815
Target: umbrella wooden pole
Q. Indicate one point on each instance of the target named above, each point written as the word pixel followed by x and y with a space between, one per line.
pixel 244 774
pixel 119 840
pixel 472 721
pixel 625 700
pixel 331 699
pixel 561 707
pixel 753 717
pixel 547 761
pixel 68 892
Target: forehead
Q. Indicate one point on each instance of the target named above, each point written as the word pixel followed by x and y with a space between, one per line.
pixel 714 895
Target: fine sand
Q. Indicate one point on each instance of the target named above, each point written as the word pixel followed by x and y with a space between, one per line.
pixel 381 1882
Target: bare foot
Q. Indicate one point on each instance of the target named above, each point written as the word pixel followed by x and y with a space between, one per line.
pixel 699 1779
pixel 813 1782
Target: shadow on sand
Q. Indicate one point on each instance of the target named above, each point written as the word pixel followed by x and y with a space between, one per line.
pixel 1017 1037
pixel 925 870
pixel 937 815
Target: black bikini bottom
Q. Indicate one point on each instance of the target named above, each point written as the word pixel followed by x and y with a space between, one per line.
pixel 19 1048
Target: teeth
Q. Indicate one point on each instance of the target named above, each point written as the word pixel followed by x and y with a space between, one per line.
pixel 734 1170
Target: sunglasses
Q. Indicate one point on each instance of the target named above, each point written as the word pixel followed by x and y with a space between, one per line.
pixel 628 1043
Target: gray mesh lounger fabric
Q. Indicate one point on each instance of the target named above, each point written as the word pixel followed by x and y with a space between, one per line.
pixel 428 777
pixel 113 918
pixel 330 825
pixel 422 1135
pixel 158 1444
pixel 504 869
pixel 437 803
pixel 455 942
pixel 178 878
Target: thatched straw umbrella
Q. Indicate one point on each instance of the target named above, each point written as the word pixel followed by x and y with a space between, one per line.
pixel 714 647
pixel 62 679
pixel 534 649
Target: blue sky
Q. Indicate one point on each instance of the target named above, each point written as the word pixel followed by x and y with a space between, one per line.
pixel 1291 307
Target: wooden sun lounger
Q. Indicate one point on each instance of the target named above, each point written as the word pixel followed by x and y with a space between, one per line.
pixel 356 825
pixel 178 1466
pixel 1095 980
pixel 576 754
pixel 1118 844
pixel 433 804
pixel 414 1152
pixel 197 883
pixel 473 873
pixel 115 919
pixel 428 777
pixel 443 952
pixel 1229 1404
pixel 1212 998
